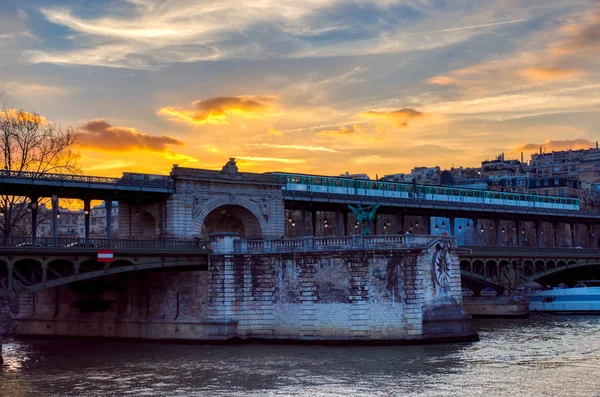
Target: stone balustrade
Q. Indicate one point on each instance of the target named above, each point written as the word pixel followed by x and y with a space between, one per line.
pixel 310 244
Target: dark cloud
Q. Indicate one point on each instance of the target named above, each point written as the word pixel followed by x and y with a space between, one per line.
pixel 101 135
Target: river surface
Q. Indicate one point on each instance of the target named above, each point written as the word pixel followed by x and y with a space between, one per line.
pixel 544 355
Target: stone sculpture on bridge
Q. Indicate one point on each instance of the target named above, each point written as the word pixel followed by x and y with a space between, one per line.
pixel 365 216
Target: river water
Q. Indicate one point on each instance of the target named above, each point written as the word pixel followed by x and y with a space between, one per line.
pixel 544 355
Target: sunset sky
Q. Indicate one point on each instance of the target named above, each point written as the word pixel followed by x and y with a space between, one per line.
pixel 312 86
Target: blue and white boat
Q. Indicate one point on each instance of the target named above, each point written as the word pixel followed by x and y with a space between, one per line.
pixel 584 297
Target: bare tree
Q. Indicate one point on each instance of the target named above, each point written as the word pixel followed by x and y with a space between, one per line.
pixel 31 144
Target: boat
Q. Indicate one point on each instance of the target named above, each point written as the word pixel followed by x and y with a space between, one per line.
pixel 584 297
pixel 488 291
pixel 496 306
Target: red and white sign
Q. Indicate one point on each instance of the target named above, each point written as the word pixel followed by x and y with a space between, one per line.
pixel 105 256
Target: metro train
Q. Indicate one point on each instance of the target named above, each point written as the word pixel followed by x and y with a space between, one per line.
pixel 342 185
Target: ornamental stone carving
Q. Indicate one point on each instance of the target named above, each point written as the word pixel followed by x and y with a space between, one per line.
pixel 440 271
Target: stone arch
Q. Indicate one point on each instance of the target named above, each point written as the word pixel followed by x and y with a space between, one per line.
pixel 27 271
pixel 229 201
pixel 465 265
pixel 147 226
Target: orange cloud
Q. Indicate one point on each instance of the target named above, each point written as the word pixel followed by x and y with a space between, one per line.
pixel 400 117
pixel 558 144
pixel 581 37
pixel 342 131
pixel 217 110
pixel 99 134
pixel 548 73
pixel 442 80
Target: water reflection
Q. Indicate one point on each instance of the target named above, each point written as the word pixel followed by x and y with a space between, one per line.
pixel 541 356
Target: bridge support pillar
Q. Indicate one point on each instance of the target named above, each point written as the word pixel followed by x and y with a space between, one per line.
pixel 575 234
pixel 498 223
pixel 34 211
pixel 451 225
pixel 108 207
pixel 313 218
pixel 557 226
pixel 520 233
pixel 539 234
pixel 303 221
pixel 86 212
pixel 345 219
pixel 475 231
pixel 399 223
pixel 54 219
pixel 594 242
pixel 44 272
pixel 427 224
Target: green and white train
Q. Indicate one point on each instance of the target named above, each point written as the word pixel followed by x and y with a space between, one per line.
pixel 342 185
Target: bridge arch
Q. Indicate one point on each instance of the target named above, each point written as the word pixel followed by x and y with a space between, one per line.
pixel 235 213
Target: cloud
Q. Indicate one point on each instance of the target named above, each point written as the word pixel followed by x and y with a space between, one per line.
pixel 275 131
pixel 557 145
pixel 399 117
pixel 271 160
pixel 442 80
pixel 99 134
pixel 548 73
pixel 295 147
pixel 217 110
pixel 343 131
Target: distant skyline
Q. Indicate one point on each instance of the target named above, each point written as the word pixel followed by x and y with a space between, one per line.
pixel 309 86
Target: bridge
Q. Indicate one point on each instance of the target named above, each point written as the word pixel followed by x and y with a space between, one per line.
pixel 195 203
pixel 291 248
pixel 512 267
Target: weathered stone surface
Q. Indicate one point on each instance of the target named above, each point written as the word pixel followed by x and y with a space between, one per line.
pixel 398 295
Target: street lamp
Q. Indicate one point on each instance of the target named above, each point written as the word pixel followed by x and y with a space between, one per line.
pixel 57 214
pixel 436 227
pixel 459 228
pixel 325 222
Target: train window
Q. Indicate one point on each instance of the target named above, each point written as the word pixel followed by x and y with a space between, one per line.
pixel 470 193
pixel 296 179
pixel 373 186
pixel 318 181
pixel 326 181
pixel 382 186
pixel 337 182
pixel 392 188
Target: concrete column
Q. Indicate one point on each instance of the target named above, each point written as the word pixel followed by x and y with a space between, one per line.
pixel 520 234
pixel 108 207
pixel 34 212
pixel 44 272
pixel 374 225
pixel 427 224
pixel 303 216
pixel 593 236
pixel 498 223
pixel 399 223
pixel 313 217
pixel 451 225
pixel 575 234
pixel 345 219
pixel 338 223
pixel 54 219
pixel 86 212
pixel 539 235
pixel 557 226
pixel 10 281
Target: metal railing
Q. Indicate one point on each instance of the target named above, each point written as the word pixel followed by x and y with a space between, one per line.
pixel 40 243
pixel 165 183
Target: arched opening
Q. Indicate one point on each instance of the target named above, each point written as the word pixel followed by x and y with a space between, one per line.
pixel 465 266
pixel 148 226
pixel 232 218
pixel 27 272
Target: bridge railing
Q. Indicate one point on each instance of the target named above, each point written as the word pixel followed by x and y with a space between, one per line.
pixel 165 183
pixel 335 243
pixel 477 250
pixel 28 243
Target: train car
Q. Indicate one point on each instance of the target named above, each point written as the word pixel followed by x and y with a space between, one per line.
pixel 343 185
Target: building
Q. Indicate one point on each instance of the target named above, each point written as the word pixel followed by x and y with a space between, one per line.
pixel 500 167
pixel 356 176
pixel 581 164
